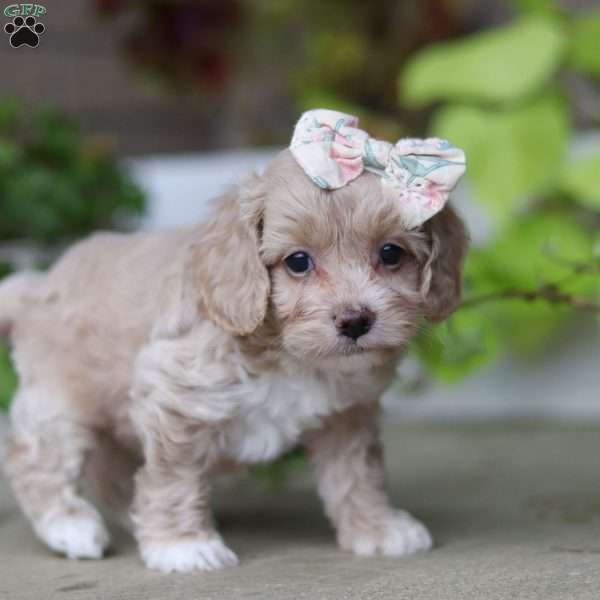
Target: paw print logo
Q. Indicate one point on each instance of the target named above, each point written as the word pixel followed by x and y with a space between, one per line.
pixel 24 32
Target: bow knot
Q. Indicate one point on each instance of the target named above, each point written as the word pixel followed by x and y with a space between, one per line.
pixel 333 151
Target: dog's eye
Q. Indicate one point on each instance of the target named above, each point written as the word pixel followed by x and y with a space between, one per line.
pixel 391 255
pixel 299 262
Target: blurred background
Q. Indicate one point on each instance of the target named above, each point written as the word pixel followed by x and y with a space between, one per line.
pixel 133 113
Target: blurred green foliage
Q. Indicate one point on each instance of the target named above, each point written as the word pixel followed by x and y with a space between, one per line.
pixel 273 476
pixel 581 179
pixel 8 378
pixel 54 187
pixel 487 67
pixel 512 153
pixel 584 36
pixel 500 94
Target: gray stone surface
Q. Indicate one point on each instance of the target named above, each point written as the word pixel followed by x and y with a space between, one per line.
pixel 515 511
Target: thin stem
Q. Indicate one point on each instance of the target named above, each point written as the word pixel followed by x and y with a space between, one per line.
pixel 548 293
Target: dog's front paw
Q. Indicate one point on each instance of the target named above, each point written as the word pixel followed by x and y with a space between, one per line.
pixel 400 535
pixel 79 533
pixel 203 554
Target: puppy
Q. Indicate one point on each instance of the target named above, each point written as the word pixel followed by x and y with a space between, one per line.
pixel 159 357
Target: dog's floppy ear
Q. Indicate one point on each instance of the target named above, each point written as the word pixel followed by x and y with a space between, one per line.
pixel 442 274
pixel 224 263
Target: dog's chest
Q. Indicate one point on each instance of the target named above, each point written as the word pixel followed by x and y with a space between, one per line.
pixel 274 412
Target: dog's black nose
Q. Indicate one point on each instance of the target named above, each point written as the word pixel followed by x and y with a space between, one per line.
pixel 354 323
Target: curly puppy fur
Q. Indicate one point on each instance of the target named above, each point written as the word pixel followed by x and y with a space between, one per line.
pixel 149 361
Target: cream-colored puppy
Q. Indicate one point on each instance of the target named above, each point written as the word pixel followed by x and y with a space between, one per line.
pixel 278 322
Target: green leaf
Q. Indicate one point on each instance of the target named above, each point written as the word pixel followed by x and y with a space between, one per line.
pixel 454 349
pixel 8 378
pixel 9 153
pixel 9 114
pixel 580 179
pixel 533 250
pixel 511 155
pixel 57 140
pixel 585 43
pixel 536 250
pixel 543 8
pixel 275 475
pixel 500 65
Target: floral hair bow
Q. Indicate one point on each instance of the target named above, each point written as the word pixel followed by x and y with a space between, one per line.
pixel 333 151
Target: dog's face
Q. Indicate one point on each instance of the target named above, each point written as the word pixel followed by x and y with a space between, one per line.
pixel 340 272
pixel 345 273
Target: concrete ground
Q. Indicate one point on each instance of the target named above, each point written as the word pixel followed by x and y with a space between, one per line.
pixel 515 511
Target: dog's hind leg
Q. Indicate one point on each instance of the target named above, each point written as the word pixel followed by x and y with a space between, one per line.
pixel 45 456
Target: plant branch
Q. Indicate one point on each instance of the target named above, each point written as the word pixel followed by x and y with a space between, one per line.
pixel 548 292
pixel 577 267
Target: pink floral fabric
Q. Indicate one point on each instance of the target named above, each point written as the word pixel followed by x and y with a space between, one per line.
pixel 333 151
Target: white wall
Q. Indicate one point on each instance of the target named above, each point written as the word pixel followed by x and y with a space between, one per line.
pixel 180 188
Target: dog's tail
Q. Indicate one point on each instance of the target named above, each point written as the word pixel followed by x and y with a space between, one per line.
pixel 14 291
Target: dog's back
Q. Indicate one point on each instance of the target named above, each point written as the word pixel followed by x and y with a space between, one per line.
pixel 84 320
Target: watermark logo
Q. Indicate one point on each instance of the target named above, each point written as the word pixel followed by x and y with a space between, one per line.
pixel 25 28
